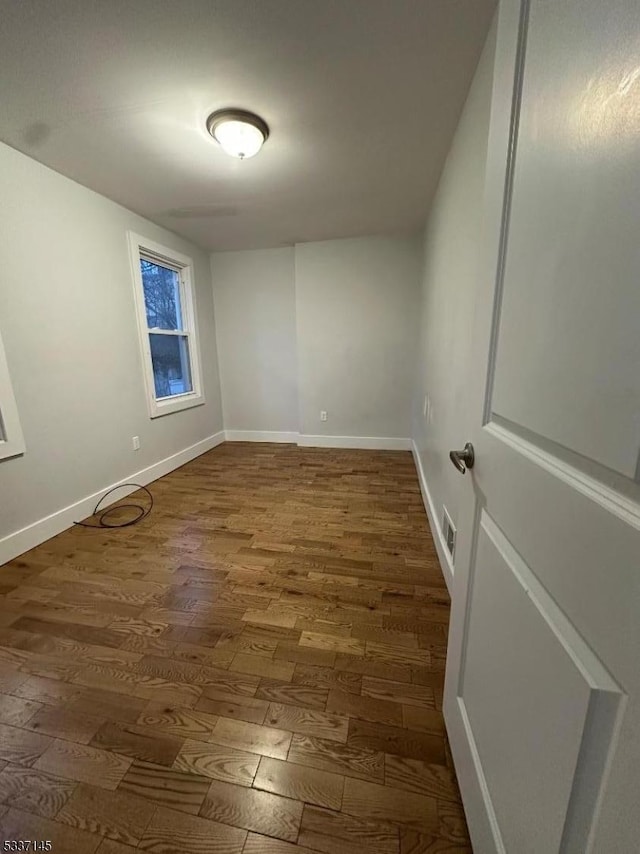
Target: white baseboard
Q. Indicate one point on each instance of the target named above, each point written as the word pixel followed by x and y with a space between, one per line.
pixel 27 538
pixel 368 443
pixel 260 436
pixel 446 564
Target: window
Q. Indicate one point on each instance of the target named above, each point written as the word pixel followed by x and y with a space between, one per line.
pixel 167 323
pixel 11 438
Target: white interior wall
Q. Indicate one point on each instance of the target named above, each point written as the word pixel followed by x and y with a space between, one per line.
pixel 451 257
pixel 68 322
pixel 356 311
pixel 254 294
pixel 323 326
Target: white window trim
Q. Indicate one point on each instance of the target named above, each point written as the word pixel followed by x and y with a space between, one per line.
pixel 184 264
pixel 11 437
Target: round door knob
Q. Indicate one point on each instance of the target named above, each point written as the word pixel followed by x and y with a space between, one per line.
pixel 463 459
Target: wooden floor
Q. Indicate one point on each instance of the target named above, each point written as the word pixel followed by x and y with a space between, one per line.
pixel 257 667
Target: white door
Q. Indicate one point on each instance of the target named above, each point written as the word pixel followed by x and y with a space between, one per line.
pixel 542 696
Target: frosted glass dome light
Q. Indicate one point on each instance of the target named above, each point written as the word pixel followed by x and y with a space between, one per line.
pixel 239 133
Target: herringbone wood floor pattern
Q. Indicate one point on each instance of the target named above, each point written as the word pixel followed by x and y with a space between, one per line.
pixel 257 667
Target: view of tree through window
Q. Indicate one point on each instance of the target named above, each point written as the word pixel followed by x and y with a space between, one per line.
pixel 169 348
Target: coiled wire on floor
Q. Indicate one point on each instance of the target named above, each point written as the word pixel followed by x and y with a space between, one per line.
pixel 141 512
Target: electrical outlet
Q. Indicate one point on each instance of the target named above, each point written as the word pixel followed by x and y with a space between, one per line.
pixel 323 415
pixel 136 443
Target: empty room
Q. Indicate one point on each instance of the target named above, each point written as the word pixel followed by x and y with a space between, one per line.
pixel 319 426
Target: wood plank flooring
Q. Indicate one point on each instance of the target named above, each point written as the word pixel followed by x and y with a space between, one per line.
pixel 257 667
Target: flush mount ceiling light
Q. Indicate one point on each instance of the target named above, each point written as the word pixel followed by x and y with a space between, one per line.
pixel 241 134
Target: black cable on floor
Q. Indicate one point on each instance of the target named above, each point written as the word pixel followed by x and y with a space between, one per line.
pixel 141 512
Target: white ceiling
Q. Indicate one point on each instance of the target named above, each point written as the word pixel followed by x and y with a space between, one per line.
pixel 362 98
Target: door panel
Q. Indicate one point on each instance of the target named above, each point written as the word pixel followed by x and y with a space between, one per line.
pixel 582 538
pixel 542 695
pixel 527 686
pixel 568 346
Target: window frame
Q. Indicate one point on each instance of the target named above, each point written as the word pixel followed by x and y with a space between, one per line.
pixel 11 436
pixel 141 247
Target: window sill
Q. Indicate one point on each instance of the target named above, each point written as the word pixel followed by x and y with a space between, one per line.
pixel 178 403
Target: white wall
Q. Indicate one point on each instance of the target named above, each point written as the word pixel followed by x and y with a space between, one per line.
pixel 68 321
pixel 356 308
pixel 322 326
pixel 451 256
pixel 254 294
